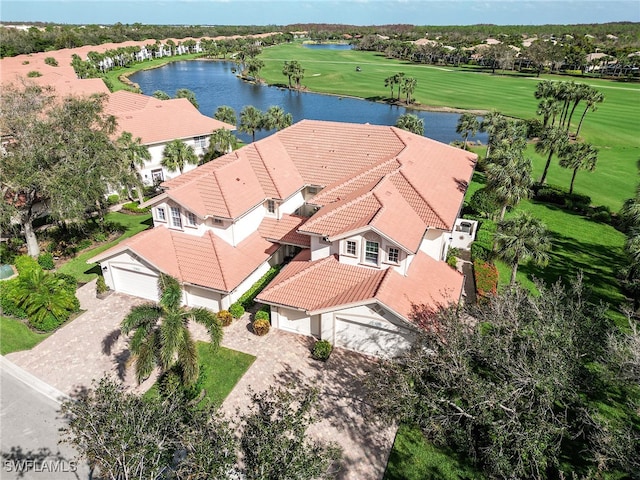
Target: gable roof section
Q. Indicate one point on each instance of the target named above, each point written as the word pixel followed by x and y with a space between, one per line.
pixel 325 152
pixel 284 231
pixel 303 285
pixel 156 121
pixel 226 188
pixel 274 167
pixel 207 261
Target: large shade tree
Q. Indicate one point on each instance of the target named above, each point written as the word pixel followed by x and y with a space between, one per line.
pixel 177 155
pixel 161 337
pixel 58 156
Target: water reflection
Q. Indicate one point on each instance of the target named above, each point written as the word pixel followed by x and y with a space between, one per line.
pixel 214 84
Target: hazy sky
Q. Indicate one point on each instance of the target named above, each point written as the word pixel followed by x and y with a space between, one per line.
pixel 356 12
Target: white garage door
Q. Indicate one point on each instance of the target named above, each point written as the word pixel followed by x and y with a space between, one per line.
pixel 374 339
pixel 133 283
pixel 294 321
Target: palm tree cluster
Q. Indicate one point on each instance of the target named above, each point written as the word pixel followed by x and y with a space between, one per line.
pixel 253 120
pixel 411 123
pixel 406 85
pixel 293 71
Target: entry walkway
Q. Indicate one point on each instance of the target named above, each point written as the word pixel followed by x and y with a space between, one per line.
pixel 90 346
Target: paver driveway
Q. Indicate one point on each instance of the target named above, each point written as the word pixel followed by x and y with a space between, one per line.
pixel 89 346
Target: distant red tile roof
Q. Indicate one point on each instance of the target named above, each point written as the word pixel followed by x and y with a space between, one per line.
pixel 327 284
pixel 207 261
pixel 156 121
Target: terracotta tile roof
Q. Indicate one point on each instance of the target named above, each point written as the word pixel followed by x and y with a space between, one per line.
pixel 303 284
pixel 156 121
pixel 207 261
pixel 227 187
pixel 325 152
pixel 284 231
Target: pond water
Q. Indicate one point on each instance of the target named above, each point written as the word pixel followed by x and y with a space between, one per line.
pixel 214 84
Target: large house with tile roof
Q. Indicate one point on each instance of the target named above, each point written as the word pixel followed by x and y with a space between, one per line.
pixel 158 122
pixel 365 213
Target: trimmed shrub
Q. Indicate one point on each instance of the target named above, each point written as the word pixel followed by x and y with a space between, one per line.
pixel 262 315
pixel 481 252
pixel 47 324
pixel 482 247
pixel 8 305
pixel 133 207
pixel 34 74
pixel 101 285
pixel 236 310
pixel 261 326
pixel 225 318
pixel 51 61
pixel 113 199
pixel 46 261
pixel 486 276
pixel 321 350
pixel 484 203
pixel 452 253
pixel 26 264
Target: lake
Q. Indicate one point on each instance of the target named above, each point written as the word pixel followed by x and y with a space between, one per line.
pixel 214 84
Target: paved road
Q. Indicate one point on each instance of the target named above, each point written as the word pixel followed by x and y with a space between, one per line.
pixel 29 423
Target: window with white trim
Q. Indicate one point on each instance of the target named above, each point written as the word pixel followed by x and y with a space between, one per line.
pixel 271 206
pixel 393 255
pixel 200 142
pixel 157 175
pixel 161 215
pixel 191 219
pixel 350 248
pixel 176 219
pixel 371 252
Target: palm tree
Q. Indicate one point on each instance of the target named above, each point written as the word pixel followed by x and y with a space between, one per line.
pixel 411 123
pixel 408 87
pixel 254 65
pixel 42 295
pixel 134 155
pixel 221 142
pixel 250 121
pixel 552 140
pixel 226 114
pixel 161 95
pixel 161 335
pixel 549 109
pixel 578 156
pixel 522 238
pixel 399 80
pixel 492 123
pixel 188 94
pixel 177 155
pixel 592 100
pixel 509 179
pixel 291 70
pixel 276 118
pixel 391 82
pixel 467 125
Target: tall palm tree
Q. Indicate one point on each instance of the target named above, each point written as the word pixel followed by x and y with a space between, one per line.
pixel 522 238
pixel 177 155
pixel 408 86
pixel 552 140
pixel 391 82
pixel 188 94
pixel 578 156
pixel 250 121
pixel 226 114
pixel 592 101
pixel 411 123
pixel 509 179
pixel 134 155
pixel 549 108
pixel 221 142
pixel 161 335
pixel 254 65
pixel 492 123
pixel 276 118
pixel 467 125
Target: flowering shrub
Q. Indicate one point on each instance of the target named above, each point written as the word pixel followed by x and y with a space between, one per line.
pixel 486 276
pixel 225 318
pixel 261 326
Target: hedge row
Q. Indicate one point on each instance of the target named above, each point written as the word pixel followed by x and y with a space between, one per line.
pixel 247 299
pixel 482 247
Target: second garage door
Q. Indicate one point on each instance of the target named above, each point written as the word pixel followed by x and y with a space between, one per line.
pixel 135 283
pixel 379 339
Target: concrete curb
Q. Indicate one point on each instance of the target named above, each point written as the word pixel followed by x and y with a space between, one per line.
pixel 32 381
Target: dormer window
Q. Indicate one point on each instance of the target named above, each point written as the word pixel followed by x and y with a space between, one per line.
pixel 176 219
pixel 350 248
pixel 271 206
pixel 393 255
pixel 161 215
pixel 191 219
pixel 371 252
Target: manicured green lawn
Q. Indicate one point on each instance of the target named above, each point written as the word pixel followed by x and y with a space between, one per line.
pixel 613 128
pixel 414 458
pixel 16 336
pixel 222 370
pixel 84 272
